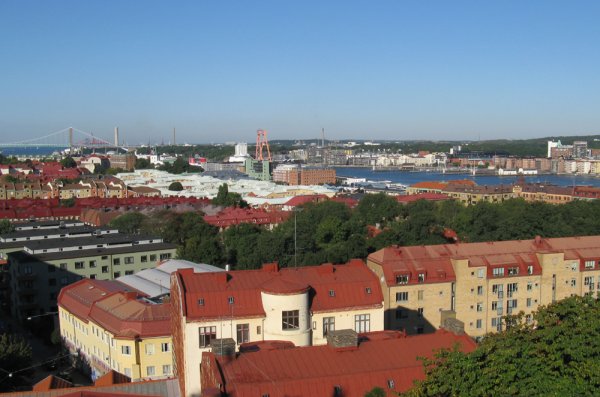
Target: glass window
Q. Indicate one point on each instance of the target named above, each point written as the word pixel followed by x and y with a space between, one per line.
pixel 78 265
pixel 116 261
pixel 129 260
pixel 206 335
pixel 243 333
pixel 328 325
pixel 153 257
pixel 93 264
pixel 166 369
pixel 144 258
pixel 165 347
pixel 402 296
pixel 150 349
pixel 402 279
pixel 362 323
pixel 290 319
pixel 125 349
pixel 150 370
pixel 104 269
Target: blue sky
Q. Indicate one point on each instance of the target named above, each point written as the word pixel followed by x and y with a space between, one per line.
pixel 219 70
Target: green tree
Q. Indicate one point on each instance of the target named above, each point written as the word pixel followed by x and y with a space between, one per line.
pixel 68 162
pixel 15 353
pixel 557 354
pixel 375 392
pixel 130 222
pixel 6 226
pixel 68 203
pixel 176 186
pixel 378 208
pixel 142 163
pixel 228 199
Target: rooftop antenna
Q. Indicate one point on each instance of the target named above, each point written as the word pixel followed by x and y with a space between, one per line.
pixel 174 142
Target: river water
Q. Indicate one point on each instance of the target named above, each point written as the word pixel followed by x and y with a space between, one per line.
pixel 410 178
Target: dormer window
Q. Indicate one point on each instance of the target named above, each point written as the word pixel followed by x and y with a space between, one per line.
pixel 331 292
pixel 368 290
pixel 391 383
pixel 201 302
pixel 498 272
pixel 402 279
pixel 421 277
pixel 513 271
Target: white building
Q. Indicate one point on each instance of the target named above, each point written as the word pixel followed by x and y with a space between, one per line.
pixel 299 305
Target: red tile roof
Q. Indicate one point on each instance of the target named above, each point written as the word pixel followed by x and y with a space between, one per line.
pixel 434 259
pixel 108 304
pixel 51 382
pixel 350 283
pixel 429 185
pixel 388 359
pixel 234 216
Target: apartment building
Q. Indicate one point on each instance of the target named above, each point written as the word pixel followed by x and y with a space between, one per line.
pixel 42 267
pixel 115 328
pixel 298 305
pixel 478 283
pixel 474 194
pixel 295 175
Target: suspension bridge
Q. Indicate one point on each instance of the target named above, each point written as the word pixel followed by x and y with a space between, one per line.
pixel 70 138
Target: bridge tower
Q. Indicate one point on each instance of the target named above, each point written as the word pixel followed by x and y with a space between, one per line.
pixel 116 136
pixel 262 142
pixel 70 141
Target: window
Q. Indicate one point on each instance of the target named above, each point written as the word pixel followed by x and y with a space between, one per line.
pixel 529 286
pixel 511 288
pixel 243 333
pixel 420 312
pixel 331 293
pixel 478 324
pixel 116 261
pixel 201 302
pixel 150 349
pixel 258 330
pixel 513 271
pixel 93 264
pixel 479 306
pixel 390 383
pixel 480 273
pixel 589 264
pixel 165 347
pixel 165 256
pixel 128 260
pixel 362 323
pixel 150 370
pixel 420 294
pixel 230 300
pixel 589 281
pixel 368 290
pixel 498 272
pixel 528 302
pixel 78 265
pixel 153 257
pixel 92 276
pixel 116 274
pixel 530 269
pixel 328 325
pixel 104 269
pixel 480 290
pixel 144 258
pixel 421 277
pixel 63 266
pixel 104 257
pixel 124 349
pixel 290 319
pixel 401 296
pixel 166 369
pixel 573 282
pixel 128 272
pixel 206 335
pixel 402 279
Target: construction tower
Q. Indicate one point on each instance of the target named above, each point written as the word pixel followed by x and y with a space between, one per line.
pixel 262 142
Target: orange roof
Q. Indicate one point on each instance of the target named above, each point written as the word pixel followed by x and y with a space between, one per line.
pixel 386 359
pixel 429 185
pixel 51 382
pixel 207 295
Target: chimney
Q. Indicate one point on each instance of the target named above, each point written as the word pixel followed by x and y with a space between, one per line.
pixel 271 267
pixel 538 240
pixel 343 338
pixel 223 347
pixel 450 323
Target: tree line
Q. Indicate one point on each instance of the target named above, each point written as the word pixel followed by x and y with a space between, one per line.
pixel 332 232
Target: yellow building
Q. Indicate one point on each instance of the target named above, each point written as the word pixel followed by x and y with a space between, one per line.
pixel 479 283
pixel 115 329
pixel 474 194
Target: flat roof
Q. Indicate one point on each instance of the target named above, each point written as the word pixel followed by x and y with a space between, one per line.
pixel 52 256
pixel 47 224
pixel 86 240
pixel 52 232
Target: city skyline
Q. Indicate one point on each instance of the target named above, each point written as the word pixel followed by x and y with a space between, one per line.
pixel 219 72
